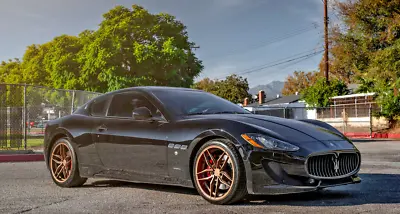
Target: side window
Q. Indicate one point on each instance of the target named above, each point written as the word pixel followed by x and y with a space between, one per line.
pixel 122 105
pixel 99 107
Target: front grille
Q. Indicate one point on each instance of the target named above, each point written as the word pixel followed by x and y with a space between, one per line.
pixel 333 165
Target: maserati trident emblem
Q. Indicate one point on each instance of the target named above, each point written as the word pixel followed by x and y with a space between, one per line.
pixel 335 161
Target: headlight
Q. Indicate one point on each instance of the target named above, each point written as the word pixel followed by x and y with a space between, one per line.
pixel 265 142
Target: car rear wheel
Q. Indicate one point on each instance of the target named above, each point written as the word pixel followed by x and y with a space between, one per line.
pixel 64 165
pixel 219 173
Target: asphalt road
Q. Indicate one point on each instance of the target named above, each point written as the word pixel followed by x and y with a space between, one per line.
pixel 28 188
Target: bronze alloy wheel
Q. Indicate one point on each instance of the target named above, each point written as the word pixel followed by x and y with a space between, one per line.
pixel 214 173
pixel 61 162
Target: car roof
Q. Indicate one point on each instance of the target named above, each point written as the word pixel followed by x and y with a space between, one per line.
pixel 153 89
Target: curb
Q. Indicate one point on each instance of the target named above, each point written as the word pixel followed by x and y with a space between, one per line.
pixel 21 157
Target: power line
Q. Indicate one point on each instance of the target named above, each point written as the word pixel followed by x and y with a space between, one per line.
pixel 275 40
pixel 281 61
pixel 296 62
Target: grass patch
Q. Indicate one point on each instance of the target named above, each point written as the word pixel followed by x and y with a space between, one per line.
pixel 31 143
pixel 34 142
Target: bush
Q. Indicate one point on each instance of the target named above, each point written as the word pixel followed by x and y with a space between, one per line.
pixel 318 94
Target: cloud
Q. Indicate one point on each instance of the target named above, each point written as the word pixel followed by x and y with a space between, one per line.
pixel 219 71
pixel 228 3
pixel 237 3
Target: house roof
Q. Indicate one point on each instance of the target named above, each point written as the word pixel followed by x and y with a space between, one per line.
pixel 280 100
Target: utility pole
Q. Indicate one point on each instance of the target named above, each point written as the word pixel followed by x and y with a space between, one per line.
pixel 326 20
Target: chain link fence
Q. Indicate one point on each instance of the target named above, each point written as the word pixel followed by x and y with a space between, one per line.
pixel 360 121
pixel 25 109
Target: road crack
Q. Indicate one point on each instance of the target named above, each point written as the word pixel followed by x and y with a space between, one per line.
pixel 45 205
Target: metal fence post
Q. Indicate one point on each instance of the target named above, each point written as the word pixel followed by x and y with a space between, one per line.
pixel 284 112
pixel 73 102
pixel 370 120
pixel 24 119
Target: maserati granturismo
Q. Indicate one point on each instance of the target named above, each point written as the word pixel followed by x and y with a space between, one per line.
pixel 191 138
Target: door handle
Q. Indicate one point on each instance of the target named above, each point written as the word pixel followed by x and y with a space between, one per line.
pixel 102 128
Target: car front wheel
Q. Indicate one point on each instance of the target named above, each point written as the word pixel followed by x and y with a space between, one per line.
pixel 219 173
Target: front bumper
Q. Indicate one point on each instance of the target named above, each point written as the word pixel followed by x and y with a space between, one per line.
pixel 270 173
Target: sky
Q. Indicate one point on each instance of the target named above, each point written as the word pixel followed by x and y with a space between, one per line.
pixel 243 37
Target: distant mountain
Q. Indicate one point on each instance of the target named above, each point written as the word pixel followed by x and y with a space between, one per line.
pixel 271 89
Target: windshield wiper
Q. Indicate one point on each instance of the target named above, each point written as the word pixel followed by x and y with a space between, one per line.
pixel 198 113
pixel 217 112
pixel 228 112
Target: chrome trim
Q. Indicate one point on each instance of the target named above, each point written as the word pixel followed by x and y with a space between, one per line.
pixel 336 153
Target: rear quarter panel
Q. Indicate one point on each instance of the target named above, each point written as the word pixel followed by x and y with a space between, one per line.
pixel 78 129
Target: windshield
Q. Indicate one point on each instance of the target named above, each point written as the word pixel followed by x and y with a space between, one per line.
pixel 187 102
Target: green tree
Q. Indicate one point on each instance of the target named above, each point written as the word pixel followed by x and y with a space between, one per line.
pixel 11 71
pixel 61 62
pixel 319 94
pixel 390 107
pixel 366 47
pixel 299 81
pixel 34 69
pixel 233 88
pixel 206 84
pixel 134 48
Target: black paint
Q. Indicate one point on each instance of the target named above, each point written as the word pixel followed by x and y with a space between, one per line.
pixel 159 150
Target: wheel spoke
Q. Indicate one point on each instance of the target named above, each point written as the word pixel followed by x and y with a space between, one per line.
pixel 224 163
pixel 64 172
pixel 57 156
pixel 226 175
pixel 206 160
pixel 211 157
pixel 211 186
pixel 220 158
pixel 59 170
pixel 206 170
pixel 206 178
pixel 68 171
pixel 56 161
pixel 62 152
pixel 224 182
pixel 216 187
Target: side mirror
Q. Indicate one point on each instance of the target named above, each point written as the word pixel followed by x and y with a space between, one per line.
pixel 141 113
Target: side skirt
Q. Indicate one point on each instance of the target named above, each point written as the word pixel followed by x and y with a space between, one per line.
pixel 95 171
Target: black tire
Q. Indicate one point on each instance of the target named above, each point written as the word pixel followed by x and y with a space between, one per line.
pixel 73 179
pixel 238 189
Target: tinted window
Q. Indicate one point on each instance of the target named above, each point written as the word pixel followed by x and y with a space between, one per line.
pixel 99 106
pixel 122 105
pixel 185 102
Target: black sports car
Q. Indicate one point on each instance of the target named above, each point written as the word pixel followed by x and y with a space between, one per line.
pixel 191 138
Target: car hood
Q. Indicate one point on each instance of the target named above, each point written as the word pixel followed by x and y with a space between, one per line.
pixel 294 131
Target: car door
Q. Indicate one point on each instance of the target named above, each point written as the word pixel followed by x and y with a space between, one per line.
pixel 96 111
pixel 138 147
